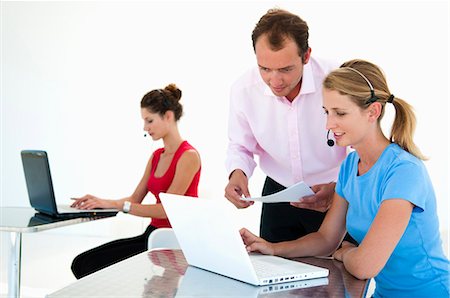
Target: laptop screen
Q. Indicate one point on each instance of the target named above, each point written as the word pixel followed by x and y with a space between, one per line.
pixel 38 180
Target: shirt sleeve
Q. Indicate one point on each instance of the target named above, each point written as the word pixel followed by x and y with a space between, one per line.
pixel 242 143
pixel 408 181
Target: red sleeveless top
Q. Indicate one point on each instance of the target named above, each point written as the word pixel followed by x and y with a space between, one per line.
pixel 157 185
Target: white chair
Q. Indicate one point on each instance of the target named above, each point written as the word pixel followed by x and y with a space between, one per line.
pixel 163 238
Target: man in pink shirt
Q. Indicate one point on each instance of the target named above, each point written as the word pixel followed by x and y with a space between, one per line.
pixel 276 113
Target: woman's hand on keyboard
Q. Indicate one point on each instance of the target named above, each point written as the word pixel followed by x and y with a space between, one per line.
pixel 254 243
pixel 89 202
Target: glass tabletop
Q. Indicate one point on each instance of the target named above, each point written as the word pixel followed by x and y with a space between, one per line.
pixel 26 219
pixel 165 273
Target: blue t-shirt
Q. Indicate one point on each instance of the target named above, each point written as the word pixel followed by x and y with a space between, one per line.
pixel 417 266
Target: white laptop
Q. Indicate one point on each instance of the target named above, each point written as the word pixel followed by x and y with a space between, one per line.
pixel 208 234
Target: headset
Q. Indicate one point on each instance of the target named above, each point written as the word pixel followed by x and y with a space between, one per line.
pixel 330 142
pixel 165 99
pixel 373 98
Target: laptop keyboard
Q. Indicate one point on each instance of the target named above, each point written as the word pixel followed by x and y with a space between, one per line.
pixel 265 268
pixel 67 208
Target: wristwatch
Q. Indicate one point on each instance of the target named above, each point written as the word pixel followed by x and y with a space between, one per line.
pixel 126 207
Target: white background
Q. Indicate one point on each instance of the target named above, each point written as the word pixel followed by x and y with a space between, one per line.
pixel 73 75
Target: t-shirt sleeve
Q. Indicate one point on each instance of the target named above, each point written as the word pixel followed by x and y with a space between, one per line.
pixel 409 181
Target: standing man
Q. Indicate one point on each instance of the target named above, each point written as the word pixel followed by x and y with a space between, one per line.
pixel 276 113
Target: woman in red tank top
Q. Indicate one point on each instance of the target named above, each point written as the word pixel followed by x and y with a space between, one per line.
pixel 175 168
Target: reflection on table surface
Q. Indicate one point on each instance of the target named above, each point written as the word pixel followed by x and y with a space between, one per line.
pixel 19 220
pixel 27 220
pixel 218 285
pixel 165 273
pixel 341 283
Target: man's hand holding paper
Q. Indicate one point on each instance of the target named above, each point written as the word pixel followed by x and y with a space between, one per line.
pixel 321 199
pixel 300 195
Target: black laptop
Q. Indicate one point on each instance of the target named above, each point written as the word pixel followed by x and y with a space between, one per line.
pixel 40 189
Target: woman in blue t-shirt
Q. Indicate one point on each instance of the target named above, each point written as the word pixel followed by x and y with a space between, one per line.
pixel 384 197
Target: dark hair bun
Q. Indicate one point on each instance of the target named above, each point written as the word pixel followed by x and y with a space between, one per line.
pixel 173 89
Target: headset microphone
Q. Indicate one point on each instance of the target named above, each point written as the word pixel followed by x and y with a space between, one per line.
pixel 330 142
pixel 145 135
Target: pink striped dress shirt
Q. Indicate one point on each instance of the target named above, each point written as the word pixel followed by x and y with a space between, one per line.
pixel 288 137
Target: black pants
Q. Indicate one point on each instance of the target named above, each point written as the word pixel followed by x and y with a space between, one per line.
pixel 283 222
pixel 110 253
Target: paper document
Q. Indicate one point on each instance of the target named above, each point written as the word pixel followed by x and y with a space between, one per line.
pixel 290 194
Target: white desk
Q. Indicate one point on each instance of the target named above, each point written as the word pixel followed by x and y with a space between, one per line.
pixel 18 220
pixel 165 273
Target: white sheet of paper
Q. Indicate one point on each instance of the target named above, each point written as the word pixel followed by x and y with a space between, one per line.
pixel 290 194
